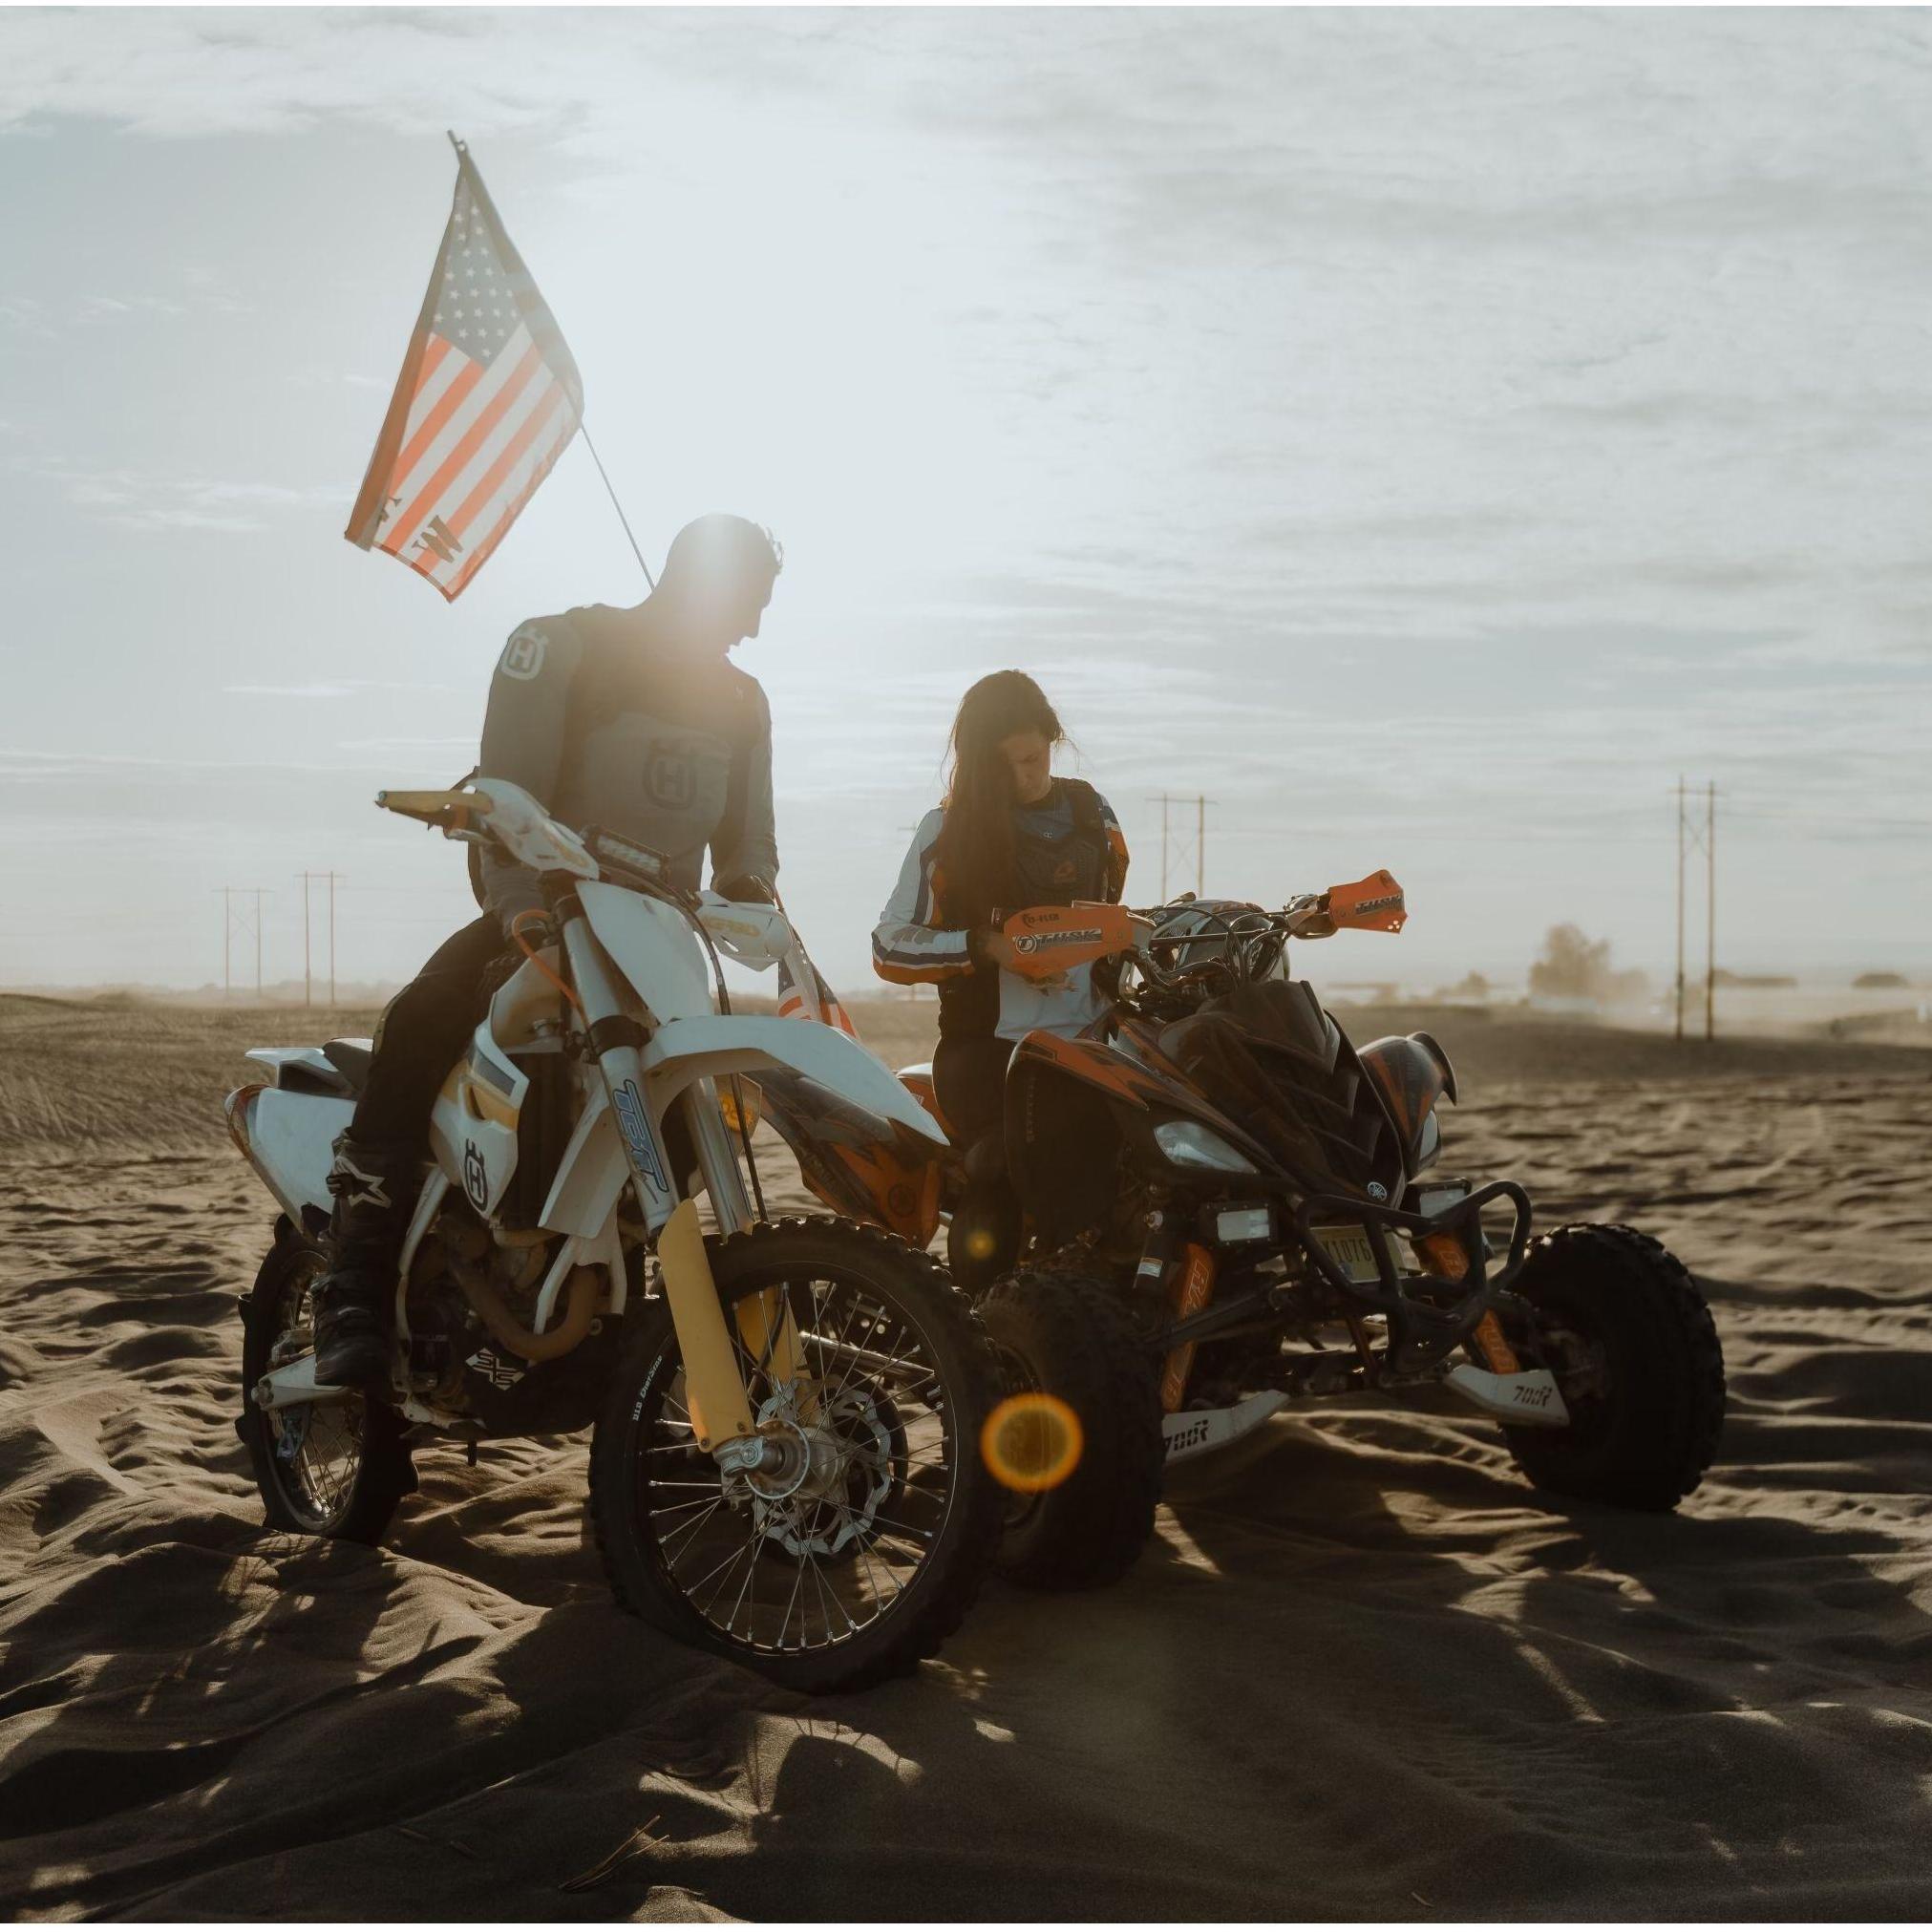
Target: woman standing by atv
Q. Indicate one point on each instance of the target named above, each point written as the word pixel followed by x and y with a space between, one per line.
pixel 1009 835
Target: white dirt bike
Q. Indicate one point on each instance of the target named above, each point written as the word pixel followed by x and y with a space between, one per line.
pixel 785 1466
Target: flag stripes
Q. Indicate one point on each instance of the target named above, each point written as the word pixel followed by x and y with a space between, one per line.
pixel 488 400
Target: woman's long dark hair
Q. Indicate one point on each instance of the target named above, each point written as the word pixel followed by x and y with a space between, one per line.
pixel 976 843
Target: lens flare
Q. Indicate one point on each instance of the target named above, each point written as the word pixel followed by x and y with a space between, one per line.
pixel 979 1244
pixel 1031 1442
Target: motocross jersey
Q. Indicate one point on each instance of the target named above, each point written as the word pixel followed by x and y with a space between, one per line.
pixel 1067 847
pixel 601 718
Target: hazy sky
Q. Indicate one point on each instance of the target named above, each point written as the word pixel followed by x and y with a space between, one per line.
pixel 1424 433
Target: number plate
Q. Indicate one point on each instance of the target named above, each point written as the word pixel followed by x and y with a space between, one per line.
pixel 1350 1246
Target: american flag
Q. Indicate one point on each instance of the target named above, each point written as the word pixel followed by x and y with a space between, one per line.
pixel 488 399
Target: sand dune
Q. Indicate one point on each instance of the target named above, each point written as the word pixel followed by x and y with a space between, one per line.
pixel 1363 1673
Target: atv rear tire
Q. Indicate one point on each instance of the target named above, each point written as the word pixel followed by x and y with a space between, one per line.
pixel 1067 1334
pixel 1635 1354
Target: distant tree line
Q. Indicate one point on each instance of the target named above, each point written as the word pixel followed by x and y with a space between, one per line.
pixel 1576 966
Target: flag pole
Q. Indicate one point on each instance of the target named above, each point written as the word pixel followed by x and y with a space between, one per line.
pixel 584 427
pixel 462 149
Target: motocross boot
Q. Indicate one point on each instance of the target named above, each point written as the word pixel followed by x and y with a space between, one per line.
pixel 374 1192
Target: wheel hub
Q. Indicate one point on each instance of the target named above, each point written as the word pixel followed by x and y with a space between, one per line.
pixel 809 1506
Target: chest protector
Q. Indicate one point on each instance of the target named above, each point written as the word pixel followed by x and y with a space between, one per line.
pixel 1049 869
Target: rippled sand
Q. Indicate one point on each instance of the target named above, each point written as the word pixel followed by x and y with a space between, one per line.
pixel 1363 1673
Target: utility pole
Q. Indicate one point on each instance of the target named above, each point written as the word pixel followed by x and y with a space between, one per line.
pixel 1690 837
pixel 1174 846
pixel 230 919
pixel 307 982
pixel 1680 905
pixel 1710 908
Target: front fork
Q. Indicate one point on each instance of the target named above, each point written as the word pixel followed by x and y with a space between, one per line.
pixel 714 1387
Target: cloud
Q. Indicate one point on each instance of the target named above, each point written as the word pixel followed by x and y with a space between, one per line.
pixel 346 687
pixel 138 500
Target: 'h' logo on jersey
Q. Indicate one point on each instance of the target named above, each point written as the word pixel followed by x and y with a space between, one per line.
pixel 523 654
pixel 668 779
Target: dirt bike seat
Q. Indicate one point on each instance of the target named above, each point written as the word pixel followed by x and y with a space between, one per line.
pixel 350 1059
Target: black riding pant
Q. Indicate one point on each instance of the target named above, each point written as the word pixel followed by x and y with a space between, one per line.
pixel 968 1079
pixel 422 1032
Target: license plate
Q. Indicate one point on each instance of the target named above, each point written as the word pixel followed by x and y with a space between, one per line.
pixel 1350 1246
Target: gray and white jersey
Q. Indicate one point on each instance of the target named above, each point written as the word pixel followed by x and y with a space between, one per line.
pixel 600 716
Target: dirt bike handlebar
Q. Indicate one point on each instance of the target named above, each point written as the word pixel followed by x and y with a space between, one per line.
pixel 448 810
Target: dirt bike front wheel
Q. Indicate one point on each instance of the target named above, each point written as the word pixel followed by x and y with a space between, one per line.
pixel 863 1552
pixel 325 1469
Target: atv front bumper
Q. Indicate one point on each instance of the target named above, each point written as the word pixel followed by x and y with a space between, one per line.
pixel 1428 1315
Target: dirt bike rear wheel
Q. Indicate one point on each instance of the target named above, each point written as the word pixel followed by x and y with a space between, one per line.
pixel 334 1469
pixel 1629 1339
pixel 874 1560
pixel 1066 1334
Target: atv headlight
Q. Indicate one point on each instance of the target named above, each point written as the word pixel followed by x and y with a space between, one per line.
pixel 1187 1143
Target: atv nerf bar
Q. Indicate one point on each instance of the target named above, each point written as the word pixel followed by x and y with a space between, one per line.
pixel 1420 1333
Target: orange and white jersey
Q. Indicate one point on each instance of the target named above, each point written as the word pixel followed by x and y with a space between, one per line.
pixel 910 947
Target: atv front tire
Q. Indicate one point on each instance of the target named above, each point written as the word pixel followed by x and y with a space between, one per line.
pixel 1622 1327
pixel 1066 1334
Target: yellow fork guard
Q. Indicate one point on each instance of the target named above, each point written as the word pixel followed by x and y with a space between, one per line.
pixel 715 1391
pixel 787 1360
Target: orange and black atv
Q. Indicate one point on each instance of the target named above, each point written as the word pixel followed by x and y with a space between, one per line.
pixel 1230 1208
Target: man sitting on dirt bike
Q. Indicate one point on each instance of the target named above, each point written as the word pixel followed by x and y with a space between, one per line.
pixel 634 720
pixel 1010 835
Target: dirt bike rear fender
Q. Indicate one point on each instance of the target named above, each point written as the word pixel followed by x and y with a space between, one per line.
pixel 290 1140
